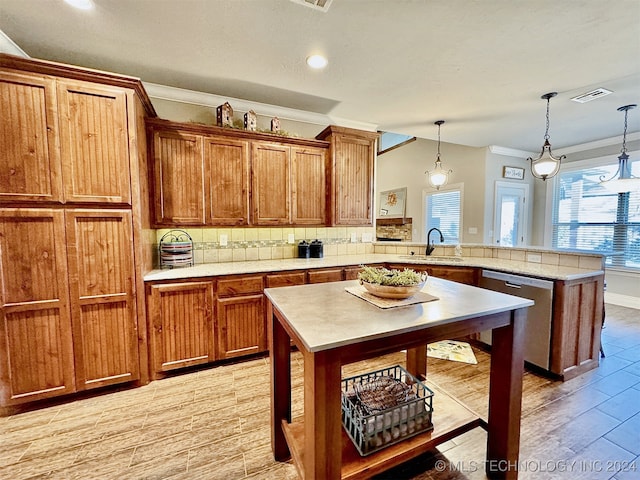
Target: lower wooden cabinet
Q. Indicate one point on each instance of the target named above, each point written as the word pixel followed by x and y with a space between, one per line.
pixel 68 302
pixel 181 325
pixel 240 316
pixel 241 325
pixel 467 275
pixel 103 306
pixel 325 275
pixel 577 322
pixel 285 279
pixel 36 360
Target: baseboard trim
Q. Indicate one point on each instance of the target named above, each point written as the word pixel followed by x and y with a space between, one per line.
pixel 622 300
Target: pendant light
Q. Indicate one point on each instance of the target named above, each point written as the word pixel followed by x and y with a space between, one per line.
pixel 625 181
pixel 546 165
pixel 438 176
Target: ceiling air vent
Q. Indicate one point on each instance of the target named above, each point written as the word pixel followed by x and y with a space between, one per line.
pixel 592 95
pixel 321 5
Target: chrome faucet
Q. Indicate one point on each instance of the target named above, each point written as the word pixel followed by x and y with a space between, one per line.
pixel 430 246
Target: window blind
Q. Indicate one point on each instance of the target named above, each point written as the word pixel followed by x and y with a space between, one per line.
pixel 443 212
pixel 588 217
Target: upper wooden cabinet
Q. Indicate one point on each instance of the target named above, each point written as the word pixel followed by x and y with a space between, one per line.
pixel 270 183
pixel 308 186
pixel 30 168
pixel 178 178
pixel 205 175
pixel 288 184
pixel 351 180
pixel 226 166
pixel 65 140
pixel 94 143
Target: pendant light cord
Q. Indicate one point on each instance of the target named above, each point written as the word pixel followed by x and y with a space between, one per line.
pixel 624 134
pixel 546 132
pixel 439 125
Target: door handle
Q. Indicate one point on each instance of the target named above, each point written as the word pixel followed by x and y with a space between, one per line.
pixel 512 285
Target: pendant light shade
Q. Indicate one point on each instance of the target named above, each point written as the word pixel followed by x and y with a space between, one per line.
pixel 625 181
pixel 546 165
pixel 438 176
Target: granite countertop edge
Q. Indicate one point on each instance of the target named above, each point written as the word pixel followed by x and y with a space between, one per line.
pixel 540 270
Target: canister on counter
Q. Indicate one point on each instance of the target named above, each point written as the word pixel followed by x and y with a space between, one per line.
pixel 316 248
pixel 303 249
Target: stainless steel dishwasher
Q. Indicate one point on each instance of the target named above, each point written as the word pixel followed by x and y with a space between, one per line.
pixel 537 349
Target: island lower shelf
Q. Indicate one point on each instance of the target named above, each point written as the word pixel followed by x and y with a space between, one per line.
pixel 450 419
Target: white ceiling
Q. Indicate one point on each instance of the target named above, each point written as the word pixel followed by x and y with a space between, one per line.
pixel 400 65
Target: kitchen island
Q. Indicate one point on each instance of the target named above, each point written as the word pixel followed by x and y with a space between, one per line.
pixel 332 328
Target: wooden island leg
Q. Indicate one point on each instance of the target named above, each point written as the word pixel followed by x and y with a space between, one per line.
pixel 322 417
pixel 505 398
pixel 417 361
pixel 280 356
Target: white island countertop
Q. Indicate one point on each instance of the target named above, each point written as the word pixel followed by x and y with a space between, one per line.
pixel 540 270
pixel 326 316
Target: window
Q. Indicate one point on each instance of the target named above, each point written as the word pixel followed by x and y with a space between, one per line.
pixel 443 211
pixel 588 217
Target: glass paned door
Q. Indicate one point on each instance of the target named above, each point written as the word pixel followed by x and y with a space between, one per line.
pixel 510 217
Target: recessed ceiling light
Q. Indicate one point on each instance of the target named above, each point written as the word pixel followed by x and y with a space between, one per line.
pixel 81 4
pixel 317 61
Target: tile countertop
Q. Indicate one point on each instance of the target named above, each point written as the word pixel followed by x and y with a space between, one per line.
pixel 541 270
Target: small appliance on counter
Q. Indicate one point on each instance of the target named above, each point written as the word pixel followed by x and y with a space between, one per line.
pixel 316 249
pixel 303 249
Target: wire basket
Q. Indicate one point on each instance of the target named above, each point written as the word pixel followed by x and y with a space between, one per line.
pixel 175 249
pixel 384 407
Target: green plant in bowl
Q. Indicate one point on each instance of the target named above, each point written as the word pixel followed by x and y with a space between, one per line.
pixel 386 283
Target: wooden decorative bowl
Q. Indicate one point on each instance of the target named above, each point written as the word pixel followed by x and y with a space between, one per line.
pixel 390 291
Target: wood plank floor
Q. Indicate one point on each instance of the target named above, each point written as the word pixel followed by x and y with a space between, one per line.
pixel 214 424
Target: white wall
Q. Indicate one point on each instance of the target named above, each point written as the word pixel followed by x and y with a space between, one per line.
pixel 493 173
pixel 406 166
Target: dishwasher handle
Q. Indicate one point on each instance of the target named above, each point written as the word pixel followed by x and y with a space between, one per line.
pixel 518 281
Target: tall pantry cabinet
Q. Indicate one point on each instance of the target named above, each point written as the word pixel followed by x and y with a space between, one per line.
pixel 74 229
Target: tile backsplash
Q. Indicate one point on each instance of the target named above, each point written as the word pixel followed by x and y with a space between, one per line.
pixel 245 244
pixel 532 255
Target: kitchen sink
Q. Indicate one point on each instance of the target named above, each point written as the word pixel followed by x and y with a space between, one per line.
pixel 432 258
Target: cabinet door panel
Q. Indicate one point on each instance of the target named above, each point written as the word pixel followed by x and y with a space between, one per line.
pixel 102 296
pixel 29 160
pixel 354 180
pixel 271 187
pixel 227 181
pixel 94 143
pixel 308 170
pixel 35 332
pixel 181 317
pixel 178 169
pixel 241 326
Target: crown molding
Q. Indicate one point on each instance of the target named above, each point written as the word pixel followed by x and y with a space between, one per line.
pixel 174 94
pixel 509 152
pixel 605 142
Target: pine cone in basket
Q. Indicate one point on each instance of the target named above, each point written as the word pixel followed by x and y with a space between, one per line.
pixel 382 393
